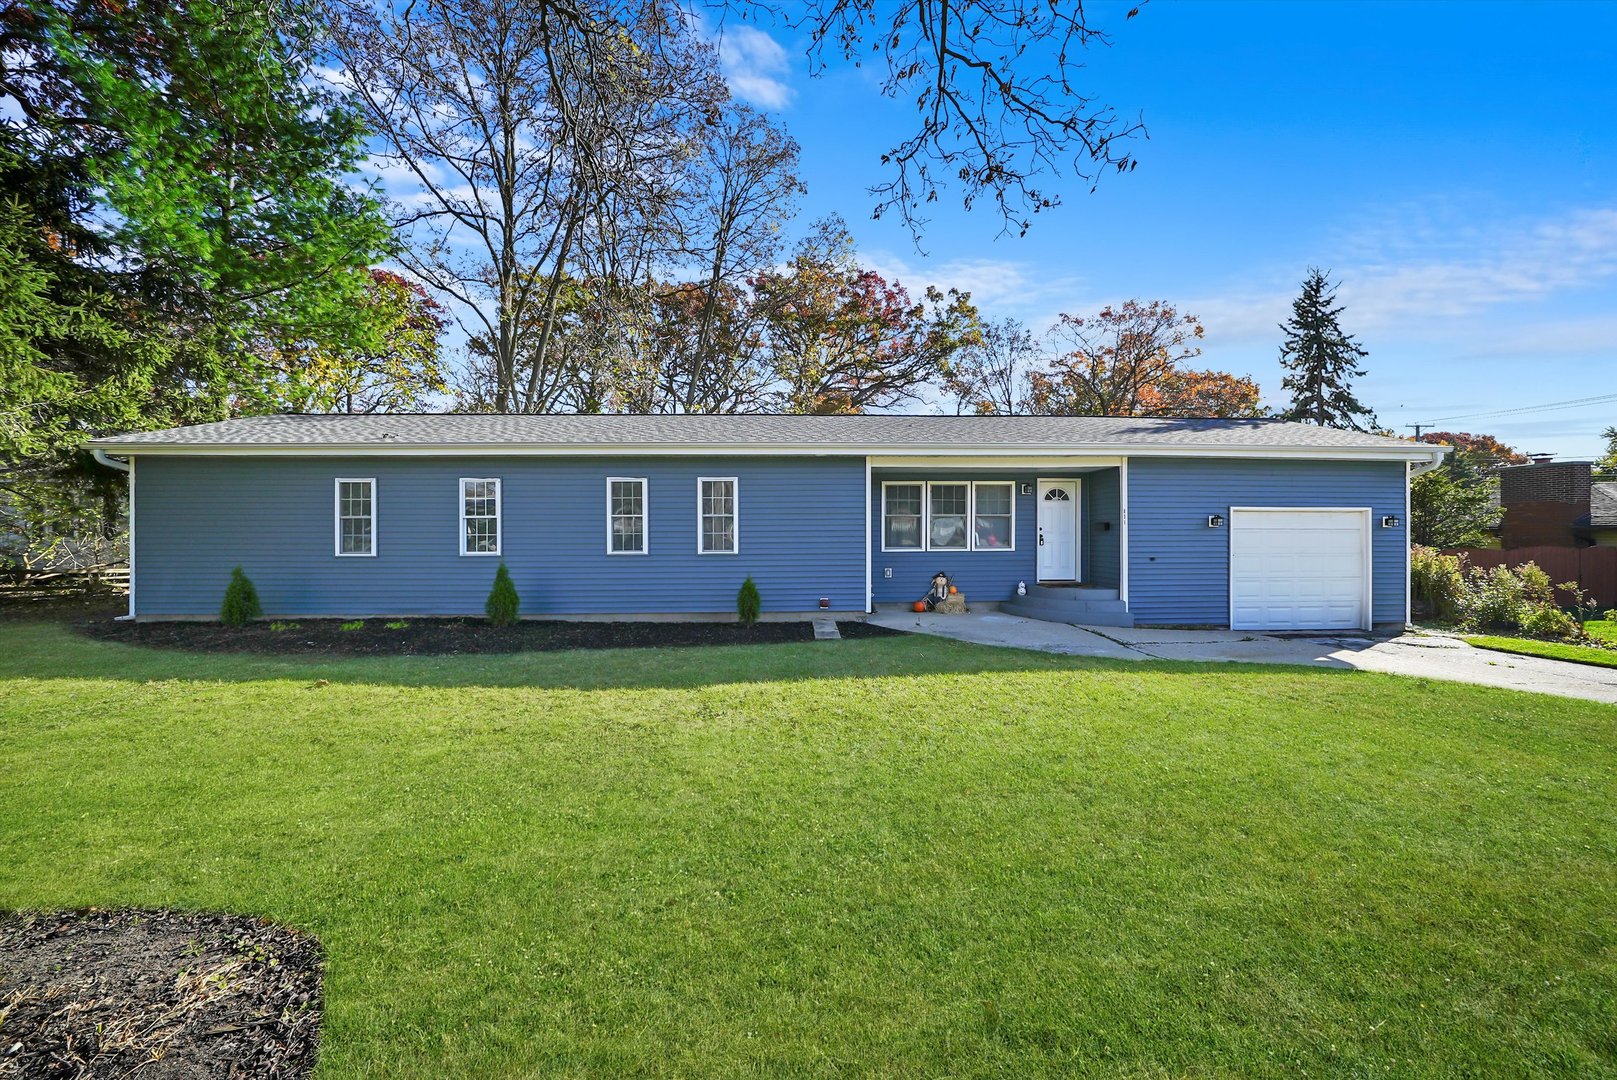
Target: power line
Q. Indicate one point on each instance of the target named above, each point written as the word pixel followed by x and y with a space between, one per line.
pixel 1575 403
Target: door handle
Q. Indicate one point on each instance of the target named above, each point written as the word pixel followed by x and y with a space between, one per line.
pixel 1041 539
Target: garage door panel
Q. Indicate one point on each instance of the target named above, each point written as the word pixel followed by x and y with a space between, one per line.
pixel 1298 569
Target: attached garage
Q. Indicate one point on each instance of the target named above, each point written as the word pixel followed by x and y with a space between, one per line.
pixel 1295 568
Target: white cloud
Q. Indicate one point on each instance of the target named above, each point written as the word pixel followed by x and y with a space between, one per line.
pixel 1407 276
pixel 997 286
pixel 754 65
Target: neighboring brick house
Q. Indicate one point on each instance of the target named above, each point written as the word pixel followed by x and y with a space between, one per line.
pixel 1556 504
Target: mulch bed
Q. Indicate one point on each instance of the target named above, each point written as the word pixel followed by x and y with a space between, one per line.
pixel 146 994
pixel 437 637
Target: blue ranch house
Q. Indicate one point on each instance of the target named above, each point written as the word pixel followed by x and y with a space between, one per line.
pixel 1248 524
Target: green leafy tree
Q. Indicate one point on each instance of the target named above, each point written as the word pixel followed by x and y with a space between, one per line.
pixel 180 195
pixel 1457 504
pixel 241 604
pixel 1448 511
pixel 1607 462
pixel 1321 361
pixel 402 372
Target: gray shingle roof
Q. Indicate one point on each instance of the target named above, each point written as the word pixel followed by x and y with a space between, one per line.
pixel 1603 505
pixel 827 434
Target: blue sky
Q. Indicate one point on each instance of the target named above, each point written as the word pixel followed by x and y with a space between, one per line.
pixel 1454 166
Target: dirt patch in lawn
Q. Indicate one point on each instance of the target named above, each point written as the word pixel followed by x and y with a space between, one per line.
pixel 156 994
pixel 421 637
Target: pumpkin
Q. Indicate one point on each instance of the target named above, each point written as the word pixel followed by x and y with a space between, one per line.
pixel 920 605
pixel 953 591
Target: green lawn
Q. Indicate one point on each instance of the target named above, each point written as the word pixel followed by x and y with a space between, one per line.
pixel 1599 629
pixel 893 858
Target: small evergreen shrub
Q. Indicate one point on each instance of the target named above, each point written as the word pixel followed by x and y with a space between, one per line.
pixel 241 601
pixel 748 602
pixel 1439 582
pixel 357 624
pixel 503 602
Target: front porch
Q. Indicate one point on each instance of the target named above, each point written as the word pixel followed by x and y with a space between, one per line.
pixel 1043 538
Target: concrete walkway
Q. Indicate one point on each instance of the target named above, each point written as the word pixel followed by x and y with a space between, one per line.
pixel 1425 655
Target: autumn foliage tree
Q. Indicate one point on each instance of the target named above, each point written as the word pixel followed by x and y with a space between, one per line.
pixel 1454 505
pixel 843 339
pixel 1131 360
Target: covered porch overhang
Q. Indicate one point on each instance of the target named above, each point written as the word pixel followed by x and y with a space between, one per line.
pixel 908 541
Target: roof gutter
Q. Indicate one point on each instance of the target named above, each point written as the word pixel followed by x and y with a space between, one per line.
pixel 111 463
pixel 1428 456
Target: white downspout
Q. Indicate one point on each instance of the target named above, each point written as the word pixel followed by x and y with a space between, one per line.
pixel 125 467
pixel 1123 539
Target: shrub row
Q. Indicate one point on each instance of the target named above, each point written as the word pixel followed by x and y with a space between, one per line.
pixel 241 604
pixel 1519 598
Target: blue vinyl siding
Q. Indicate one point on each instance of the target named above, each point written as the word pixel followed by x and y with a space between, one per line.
pixel 1179 568
pixel 1102 499
pixel 801 527
pixel 991 576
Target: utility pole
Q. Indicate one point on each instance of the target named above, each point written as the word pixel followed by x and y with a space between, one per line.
pixel 1418 428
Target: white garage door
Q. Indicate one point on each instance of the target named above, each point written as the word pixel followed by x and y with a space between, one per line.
pixel 1293 569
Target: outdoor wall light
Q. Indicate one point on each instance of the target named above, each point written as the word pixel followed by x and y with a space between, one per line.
pixel 1027 489
pixel 1215 521
pixel 1391 521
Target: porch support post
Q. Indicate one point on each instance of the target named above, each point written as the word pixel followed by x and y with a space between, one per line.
pixel 1123 541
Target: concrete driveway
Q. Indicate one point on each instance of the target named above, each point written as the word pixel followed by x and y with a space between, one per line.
pixel 1425 655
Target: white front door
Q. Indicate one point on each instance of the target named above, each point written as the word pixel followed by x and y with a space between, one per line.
pixel 1058 530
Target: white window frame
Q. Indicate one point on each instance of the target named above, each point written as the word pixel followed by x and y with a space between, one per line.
pixel 971 515
pixel 926 524
pixel 885 484
pixel 499 514
pixel 975 484
pixel 337 517
pixel 735 515
pixel 645 514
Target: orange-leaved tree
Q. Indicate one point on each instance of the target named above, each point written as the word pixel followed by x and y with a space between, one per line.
pixel 1130 360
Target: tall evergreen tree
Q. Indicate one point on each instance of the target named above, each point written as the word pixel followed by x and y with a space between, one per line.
pixel 1321 361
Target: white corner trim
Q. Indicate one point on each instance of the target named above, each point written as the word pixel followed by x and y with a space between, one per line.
pixel 499 514
pixel 870 582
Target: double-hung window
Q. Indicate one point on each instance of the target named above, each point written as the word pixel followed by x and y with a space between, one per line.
pixel 356 516
pixel 479 516
pixel 626 519
pixel 948 515
pixel 993 515
pixel 716 513
pixel 948 511
pixel 903 508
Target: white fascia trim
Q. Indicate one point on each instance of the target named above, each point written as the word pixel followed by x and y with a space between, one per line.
pixel 1432 454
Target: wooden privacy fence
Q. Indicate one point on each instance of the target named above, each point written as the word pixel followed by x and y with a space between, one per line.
pixel 1593 568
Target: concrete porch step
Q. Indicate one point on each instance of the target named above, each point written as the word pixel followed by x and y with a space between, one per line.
pixel 1090 612
pixel 1072 593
